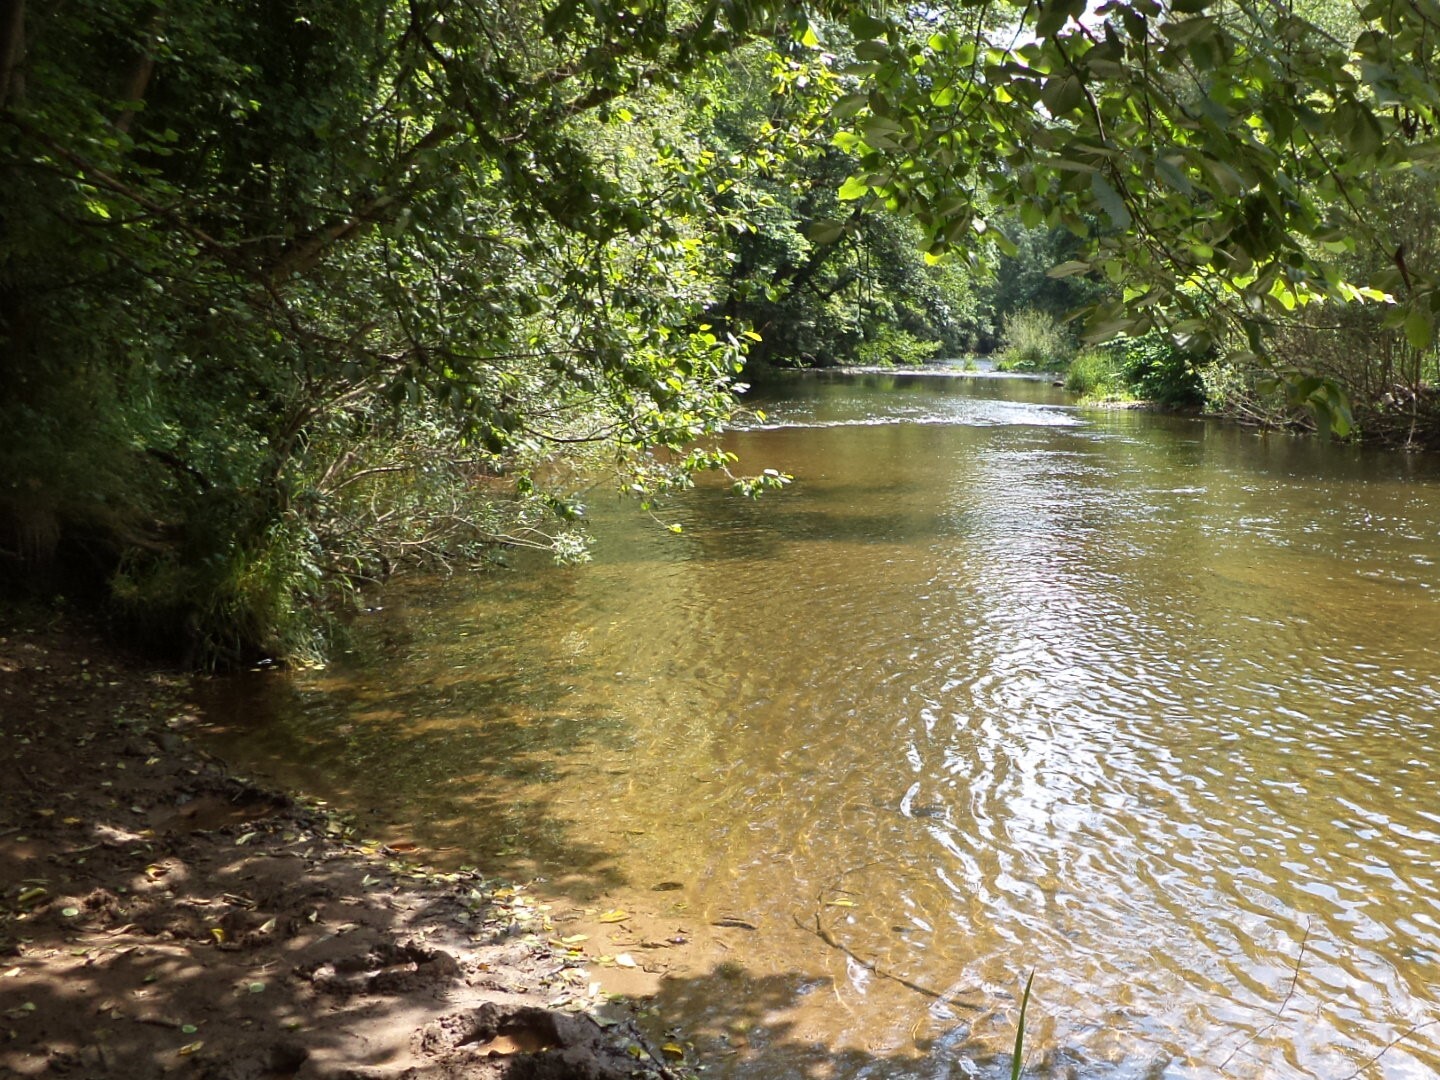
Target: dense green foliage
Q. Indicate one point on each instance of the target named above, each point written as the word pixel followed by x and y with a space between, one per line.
pixel 1096 374
pixel 819 291
pixel 334 294
pixel 1221 163
pixel 296 291
pixel 1032 339
pixel 1161 372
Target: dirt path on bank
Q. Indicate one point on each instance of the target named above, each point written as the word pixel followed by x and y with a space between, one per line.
pixel 159 917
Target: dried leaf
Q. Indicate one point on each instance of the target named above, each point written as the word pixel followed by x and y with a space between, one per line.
pixel 190 1048
pixel 614 916
pixel 625 960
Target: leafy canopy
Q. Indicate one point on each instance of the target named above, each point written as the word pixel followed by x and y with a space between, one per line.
pixel 1217 156
pixel 294 291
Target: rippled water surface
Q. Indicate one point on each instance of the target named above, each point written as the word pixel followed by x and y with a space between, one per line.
pixel 1147 705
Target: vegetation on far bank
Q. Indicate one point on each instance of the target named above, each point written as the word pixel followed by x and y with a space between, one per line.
pixel 296 293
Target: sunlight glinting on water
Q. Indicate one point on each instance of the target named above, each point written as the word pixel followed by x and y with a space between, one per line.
pixel 1146 705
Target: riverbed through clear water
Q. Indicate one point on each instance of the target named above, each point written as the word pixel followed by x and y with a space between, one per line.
pixel 1144 704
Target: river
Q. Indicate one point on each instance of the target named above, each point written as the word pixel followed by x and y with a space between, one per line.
pixel 1143 704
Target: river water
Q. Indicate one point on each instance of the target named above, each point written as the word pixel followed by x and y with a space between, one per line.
pixel 1146 705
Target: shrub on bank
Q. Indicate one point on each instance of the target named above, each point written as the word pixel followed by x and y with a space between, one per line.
pixel 1158 370
pixel 890 345
pixel 1033 340
pixel 1096 373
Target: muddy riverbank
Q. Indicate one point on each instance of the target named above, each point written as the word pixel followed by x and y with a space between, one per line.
pixel 161 916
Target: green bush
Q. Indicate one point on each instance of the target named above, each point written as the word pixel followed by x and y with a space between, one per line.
pixel 891 345
pixel 1096 373
pixel 1158 370
pixel 1033 340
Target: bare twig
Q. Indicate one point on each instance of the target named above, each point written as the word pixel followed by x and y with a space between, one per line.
pixel 820 931
pixel 1294 978
pixel 1389 1046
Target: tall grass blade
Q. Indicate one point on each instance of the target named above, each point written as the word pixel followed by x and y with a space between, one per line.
pixel 1017 1059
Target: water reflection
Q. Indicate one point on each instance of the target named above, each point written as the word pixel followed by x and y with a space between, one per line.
pixel 1146 704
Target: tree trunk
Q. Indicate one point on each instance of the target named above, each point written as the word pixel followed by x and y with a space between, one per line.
pixel 12 51
pixel 139 80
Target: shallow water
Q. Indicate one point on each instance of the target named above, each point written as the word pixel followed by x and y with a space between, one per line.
pixel 1144 704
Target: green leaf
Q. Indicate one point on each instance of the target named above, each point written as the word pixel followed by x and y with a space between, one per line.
pixel 1110 201
pixel 1062 95
pixel 1068 269
pixel 864 25
pixel 1419 330
pixel 853 188
pixel 1359 129
pixel 1189 30
pixel 1224 177
pixel 1167 170
pixel 1017 1057
pixel 1054 14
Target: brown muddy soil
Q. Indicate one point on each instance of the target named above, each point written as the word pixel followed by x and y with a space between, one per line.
pixel 160 917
